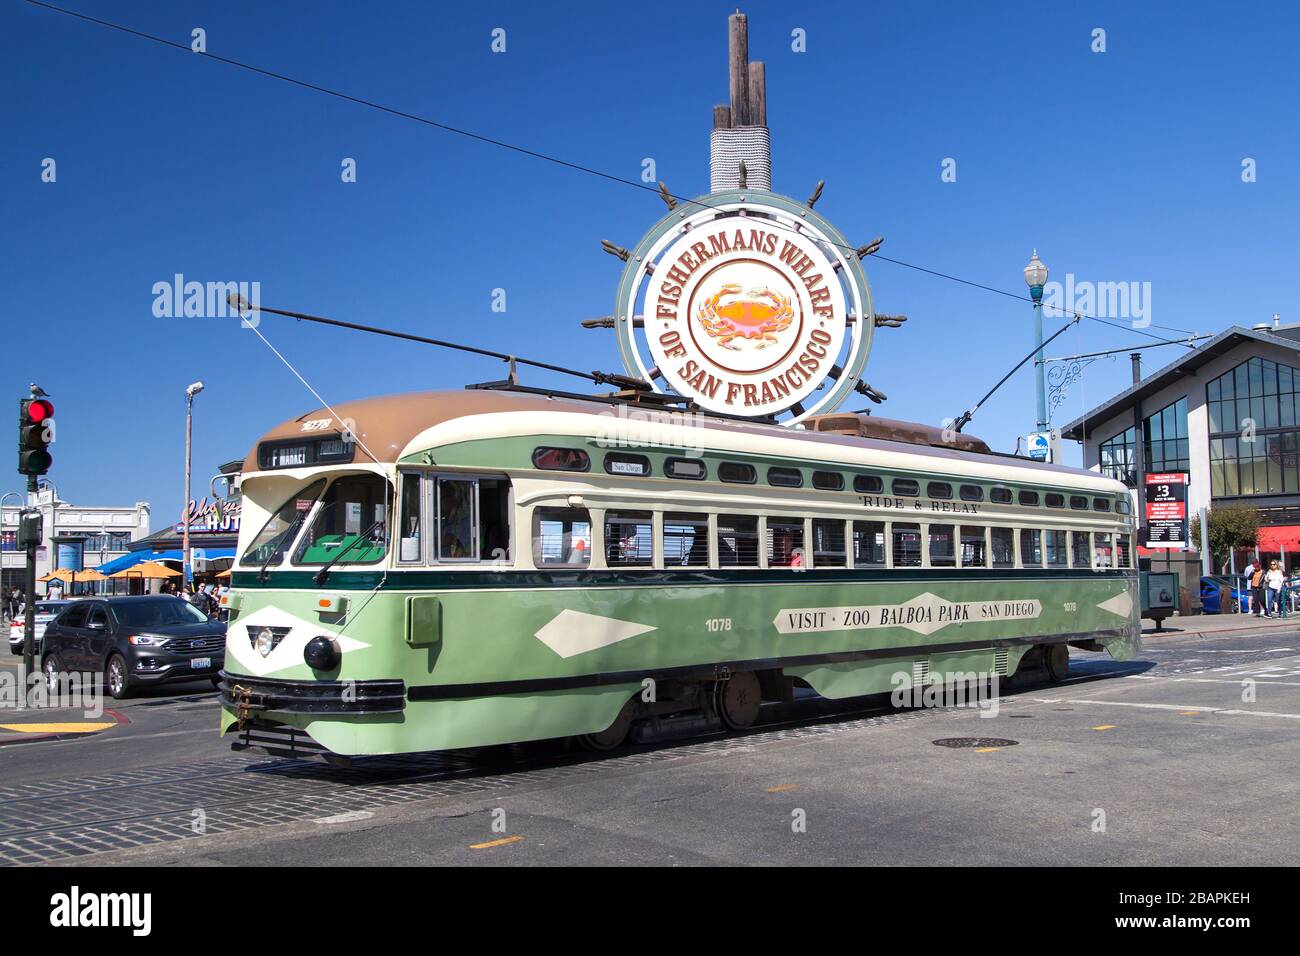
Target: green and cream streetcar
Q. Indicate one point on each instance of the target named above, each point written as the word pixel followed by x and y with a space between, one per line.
pixel 459 569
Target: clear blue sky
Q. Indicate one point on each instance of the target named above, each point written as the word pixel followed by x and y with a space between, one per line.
pixel 1122 166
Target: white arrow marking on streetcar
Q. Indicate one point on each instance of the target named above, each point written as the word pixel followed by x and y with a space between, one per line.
pixel 289 651
pixel 573 632
pixel 1121 604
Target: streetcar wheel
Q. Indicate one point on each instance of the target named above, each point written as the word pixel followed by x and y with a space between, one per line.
pixel 738 700
pixel 1057 659
pixel 118 677
pixel 613 735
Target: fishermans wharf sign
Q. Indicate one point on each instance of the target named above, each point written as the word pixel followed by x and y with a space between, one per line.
pixel 748 307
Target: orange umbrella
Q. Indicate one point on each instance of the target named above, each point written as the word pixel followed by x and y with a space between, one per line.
pixel 224 574
pixel 147 569
pixel 59 574
pixel 90 574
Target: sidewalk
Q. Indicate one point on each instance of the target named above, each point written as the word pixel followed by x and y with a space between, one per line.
pixel 1200 625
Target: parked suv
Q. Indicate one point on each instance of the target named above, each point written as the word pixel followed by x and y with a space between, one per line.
pixel 134 642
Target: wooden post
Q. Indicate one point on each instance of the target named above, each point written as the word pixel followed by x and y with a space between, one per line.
pixel 722 116
pixel 757 94
pixel 738 48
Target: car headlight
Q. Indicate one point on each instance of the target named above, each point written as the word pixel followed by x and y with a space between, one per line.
pixel 144 640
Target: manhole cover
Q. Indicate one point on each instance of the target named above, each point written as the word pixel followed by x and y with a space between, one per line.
pixel 975 742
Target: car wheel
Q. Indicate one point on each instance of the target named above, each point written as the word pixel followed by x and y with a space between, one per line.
pixel 118 677
pixel 51 668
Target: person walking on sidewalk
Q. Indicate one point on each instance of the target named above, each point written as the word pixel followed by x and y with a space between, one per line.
pixel 1273 581
pixel 1257 592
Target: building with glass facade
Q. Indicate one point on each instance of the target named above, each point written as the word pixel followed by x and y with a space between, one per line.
pixel 1227 414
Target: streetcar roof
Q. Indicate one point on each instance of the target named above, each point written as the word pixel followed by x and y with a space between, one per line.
pixel 394 427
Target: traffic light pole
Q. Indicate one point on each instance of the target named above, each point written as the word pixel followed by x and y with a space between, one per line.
pixel 29 622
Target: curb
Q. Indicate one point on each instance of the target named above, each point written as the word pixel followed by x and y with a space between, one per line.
pixel 1256 628
pixel 119 720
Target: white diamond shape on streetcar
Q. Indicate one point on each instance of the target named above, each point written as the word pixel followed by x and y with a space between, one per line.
pixel 575 632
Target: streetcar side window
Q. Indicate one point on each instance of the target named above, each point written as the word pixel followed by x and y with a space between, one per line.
pixel 686 540
pixel 905 486
pixel 1031 547
pixel 868 544
pixel 907 545
pixel 785 477
pixel 828 481
pixel 1000 496
pixel 1029 498
pixel 868 484
pixel 785 543
pixel 561 537
pixel 494 519
pixel 938 489
pixel 828 543
pixel 737 473
pixel 629 539
pixel 1101 551
pixel 941 549
pixel 411 520
pixel 456 503
pixel 1079 502
pixel 973 552
pixel 972 493
pixel 1055 500
pixel 1055 548
pixel 1079 541
pixel 737 541
pixel 1004 547
pixel 1122 551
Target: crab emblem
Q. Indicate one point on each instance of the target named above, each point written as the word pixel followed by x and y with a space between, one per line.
pixel 754 315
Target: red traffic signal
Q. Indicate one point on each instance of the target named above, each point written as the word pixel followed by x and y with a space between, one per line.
pixel 35 432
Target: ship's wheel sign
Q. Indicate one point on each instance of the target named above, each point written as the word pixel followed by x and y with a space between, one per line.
pixel 749 307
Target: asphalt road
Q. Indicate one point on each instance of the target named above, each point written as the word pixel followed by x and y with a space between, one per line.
pixel 1155 761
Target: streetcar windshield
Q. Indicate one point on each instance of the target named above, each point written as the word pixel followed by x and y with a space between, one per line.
pixel 351 524
pixel 282 527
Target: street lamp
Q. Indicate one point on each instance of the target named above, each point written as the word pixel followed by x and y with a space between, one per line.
pixel 1036 278
pixel 190 392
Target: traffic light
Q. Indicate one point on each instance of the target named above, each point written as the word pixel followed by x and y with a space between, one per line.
pixel 35 432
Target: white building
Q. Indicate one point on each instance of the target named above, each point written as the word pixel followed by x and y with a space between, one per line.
pixel 74 536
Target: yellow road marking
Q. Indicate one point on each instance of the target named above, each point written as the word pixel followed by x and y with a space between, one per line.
pixel 492 843
pixel 784 788
pixel 68 728
pixel 1106 727
pixel 1190 713
pixel 986 750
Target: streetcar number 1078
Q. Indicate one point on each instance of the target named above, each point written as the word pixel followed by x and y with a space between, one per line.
pixel 715 624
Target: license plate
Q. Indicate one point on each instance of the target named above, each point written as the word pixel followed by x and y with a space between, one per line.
pixel 201 663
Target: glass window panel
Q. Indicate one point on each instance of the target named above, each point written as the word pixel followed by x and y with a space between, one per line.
pixel 1031 547
pixel 1239 381
pixel 561 536
pixel 1102 557
pixel 1256 377
pixel 1269 372
pixel 351 524
pixel 629 539
pixel 942 554
pixel 1226 388
pixel 1286 410
pixel 455 518
pixel 1155 427
pixel 974 554
pixel 1002 541
pixel 1285 383
pixel 1216 417
pixel 1274 475
pixel 1054 546
pixel 410 530
pixel 1216 478
pixel 1123 551
pixel 785 543
pixel 281 528
pixel 1082 553
pixel 907 545
pixel 1270 413
pixel 1257 412
pixel 828 543
pixel 868 544
pixel 737 541
pixel 1212 391
pixel 686 540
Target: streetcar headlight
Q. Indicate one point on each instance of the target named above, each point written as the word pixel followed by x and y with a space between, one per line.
pixel 265 641
pixel 322 653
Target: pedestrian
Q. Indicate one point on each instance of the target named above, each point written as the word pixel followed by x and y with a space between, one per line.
pixel 1273 581
pixel 1284 599
pixel 1257 607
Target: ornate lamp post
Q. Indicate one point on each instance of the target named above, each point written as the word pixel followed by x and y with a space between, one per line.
pixel 1036 278
pixel 190 392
